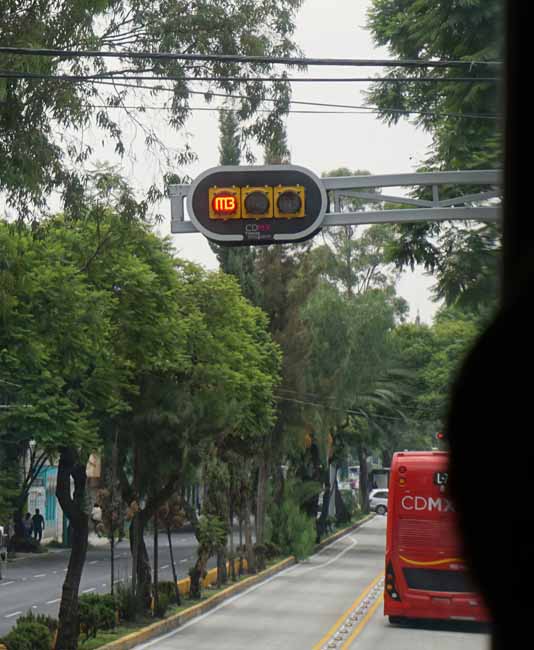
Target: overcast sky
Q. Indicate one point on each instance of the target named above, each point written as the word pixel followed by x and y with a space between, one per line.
pixel 334 29
pixel 325 28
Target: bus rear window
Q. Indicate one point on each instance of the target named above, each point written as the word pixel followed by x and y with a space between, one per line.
pixel 438 580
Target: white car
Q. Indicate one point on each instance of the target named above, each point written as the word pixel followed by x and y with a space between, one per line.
pixel 378 501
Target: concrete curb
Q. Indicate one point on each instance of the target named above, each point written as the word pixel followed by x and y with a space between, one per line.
pixel 345 531
pixel 177 620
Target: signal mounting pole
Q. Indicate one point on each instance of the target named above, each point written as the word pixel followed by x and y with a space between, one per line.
pixel 452 196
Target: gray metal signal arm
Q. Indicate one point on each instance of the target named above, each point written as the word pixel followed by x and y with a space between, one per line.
pixel 483 205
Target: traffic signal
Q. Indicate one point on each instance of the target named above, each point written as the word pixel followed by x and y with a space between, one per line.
pixel 224 203
pixel 275 204
pixel 257 202
pixel 289 202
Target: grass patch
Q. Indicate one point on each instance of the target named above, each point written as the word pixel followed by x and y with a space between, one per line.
pixel 112 635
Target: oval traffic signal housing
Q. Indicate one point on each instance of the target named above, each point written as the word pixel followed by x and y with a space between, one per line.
pixel 238 206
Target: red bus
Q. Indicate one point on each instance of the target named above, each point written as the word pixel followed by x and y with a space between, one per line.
pixel 426 577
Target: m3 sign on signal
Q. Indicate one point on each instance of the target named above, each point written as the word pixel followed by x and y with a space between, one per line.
pixel 257 205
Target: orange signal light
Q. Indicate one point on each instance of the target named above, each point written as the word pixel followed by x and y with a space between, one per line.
pixel 224 203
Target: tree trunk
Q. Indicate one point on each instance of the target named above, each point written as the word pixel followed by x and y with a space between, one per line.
pixel 114 506
pixel 141 564
pixel 232 545
pixel 222 573
pixel 74 508
pixel 173 565
pixel 197 574
pixel 112 553
pixel 322 522
pixel 364 479
pixel 156 567
pixel 386 458
pixel 241 571
pixel 260 502
pixel 251 560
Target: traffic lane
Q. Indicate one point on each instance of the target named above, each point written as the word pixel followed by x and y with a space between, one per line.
pixel 293 609
pixel 37 586
pixel 378 634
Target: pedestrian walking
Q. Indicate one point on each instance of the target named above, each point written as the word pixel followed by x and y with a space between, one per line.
pixel 96 517
pixel 27 525
pixel 38 524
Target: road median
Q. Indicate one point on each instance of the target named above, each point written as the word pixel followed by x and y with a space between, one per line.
pixel 177 620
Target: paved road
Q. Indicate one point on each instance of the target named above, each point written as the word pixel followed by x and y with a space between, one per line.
pixel 304 607
pixel 36 582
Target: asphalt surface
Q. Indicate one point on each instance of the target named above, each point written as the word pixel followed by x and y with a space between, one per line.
pixel 34 583
pixel 333 600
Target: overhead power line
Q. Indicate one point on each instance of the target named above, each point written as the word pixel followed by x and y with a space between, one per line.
pixel 356 110
pixel 349 411
pixel 351 108
pixel 234 58
pixel 12 74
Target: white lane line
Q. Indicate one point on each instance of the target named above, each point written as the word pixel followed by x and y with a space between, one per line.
pixel 13 614
pixel 88 591
pixel 94 562
pixel 196 620
pixel 5 584
pixel 165 567
pixel 53 602
pixel 40 575
pixel 297 574
pixel 182 561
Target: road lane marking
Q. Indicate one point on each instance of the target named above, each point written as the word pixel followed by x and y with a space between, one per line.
pixel 224 604
pixel 88 591
pixel 347 613
pixel 13 614
pixel 363 623
pixel 5 584
pixel 40 575
pixel 165 567
pixel 94 562
pixel 53 602
pixel 325 564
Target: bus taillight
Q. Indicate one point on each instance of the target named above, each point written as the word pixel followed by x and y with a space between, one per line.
pixel 391 588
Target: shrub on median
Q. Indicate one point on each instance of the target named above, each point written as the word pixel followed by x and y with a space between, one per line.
pixel 48 621
pixel 96 612
pixel 28 636
pixel 128 604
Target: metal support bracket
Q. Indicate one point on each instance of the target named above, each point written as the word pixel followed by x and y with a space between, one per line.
pixel 482 201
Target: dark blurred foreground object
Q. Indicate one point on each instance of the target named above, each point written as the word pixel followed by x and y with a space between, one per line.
pixel 490 426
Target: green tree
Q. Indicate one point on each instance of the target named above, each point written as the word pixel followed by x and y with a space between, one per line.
pixel 55 347
pixel 39 117
pixel 431 355
pixel 349 355
pixel 239 261
pixel 461 119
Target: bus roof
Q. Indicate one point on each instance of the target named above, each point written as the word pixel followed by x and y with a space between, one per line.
pixel 419 458
pixel 420 453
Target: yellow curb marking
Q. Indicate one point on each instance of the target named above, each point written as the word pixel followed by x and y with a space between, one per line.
pixel 145 634
pixel 363 623
pixel 347 613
